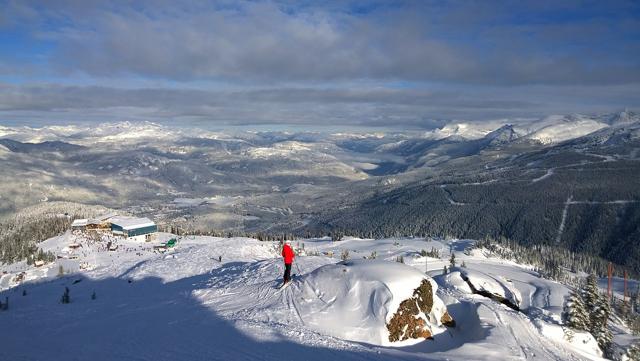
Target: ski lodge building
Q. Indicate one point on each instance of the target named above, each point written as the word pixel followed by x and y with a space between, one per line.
pixel 131 228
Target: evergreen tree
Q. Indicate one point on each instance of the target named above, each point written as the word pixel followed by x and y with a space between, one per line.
pixel 575 313
pixel 598 308
pixel 633 352
pixel 591 296
pixel 452 260
pixel 600 328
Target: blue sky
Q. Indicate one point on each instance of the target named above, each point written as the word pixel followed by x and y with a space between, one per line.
pixel 315 63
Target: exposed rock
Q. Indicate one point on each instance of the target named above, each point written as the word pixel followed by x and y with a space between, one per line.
pixel 447 320
pixel 424 296
pixel 410 320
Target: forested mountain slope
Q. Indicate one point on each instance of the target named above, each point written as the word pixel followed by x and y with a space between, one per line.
pixel 583 194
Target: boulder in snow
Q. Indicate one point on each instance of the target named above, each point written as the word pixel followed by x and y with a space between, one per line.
pixel 370 300
pixel 414 318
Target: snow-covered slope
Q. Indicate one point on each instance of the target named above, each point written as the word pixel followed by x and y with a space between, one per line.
pixel 464 130
pixel 548 130
pixel 623 117
pixel 555 129
pixel 617 134
pixel 186 304
pixel 503 135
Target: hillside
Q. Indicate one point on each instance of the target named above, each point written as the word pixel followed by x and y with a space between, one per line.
pixel 581 194
pixel 568 180
pixel 186 304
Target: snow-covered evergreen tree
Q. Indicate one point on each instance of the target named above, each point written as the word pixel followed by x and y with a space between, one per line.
pixel 575 313
pixel 633 352
pixel 591 297
pixel 600 326
pixel 598 309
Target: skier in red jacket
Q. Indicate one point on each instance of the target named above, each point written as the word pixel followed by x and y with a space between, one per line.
pixel 288 255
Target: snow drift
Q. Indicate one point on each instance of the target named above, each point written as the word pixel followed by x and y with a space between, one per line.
pixel 358 299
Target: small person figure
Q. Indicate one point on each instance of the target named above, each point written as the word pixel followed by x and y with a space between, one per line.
pixel 287 253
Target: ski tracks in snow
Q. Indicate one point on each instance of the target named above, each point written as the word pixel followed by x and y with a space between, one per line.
pixel 288 294
pixel 247 294
pixel 516 332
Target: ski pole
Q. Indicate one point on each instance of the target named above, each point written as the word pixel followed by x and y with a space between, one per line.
pixel 298 268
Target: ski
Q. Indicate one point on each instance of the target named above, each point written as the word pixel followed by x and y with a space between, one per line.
pixel 285 285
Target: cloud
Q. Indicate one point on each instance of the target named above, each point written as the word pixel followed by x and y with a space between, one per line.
pixel 375 63
pixel 354 106
pixel 265 42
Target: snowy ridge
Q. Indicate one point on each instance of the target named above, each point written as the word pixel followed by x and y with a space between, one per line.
pixel 557 129
pixel 462 130
pixel 549 130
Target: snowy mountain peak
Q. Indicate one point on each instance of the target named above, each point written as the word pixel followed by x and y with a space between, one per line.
pixel 625 116
pixel 504 134
pixel 462 131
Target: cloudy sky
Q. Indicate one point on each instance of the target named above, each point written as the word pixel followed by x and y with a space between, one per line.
pixel 315 63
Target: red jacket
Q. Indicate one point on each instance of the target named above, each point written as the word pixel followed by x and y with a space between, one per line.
pixel 288 254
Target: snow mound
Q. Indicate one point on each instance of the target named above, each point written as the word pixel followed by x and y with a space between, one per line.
pixel 356 299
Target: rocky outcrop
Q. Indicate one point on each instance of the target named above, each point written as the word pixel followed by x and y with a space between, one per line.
pixel 413 317
pixel 447 320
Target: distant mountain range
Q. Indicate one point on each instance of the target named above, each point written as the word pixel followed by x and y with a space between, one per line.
pixel 579 190
pixel 566 179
